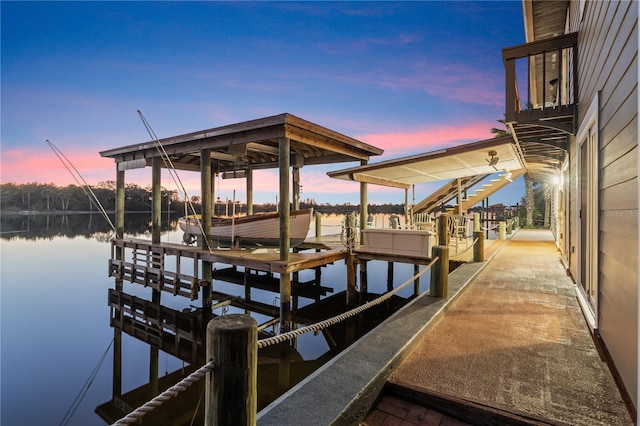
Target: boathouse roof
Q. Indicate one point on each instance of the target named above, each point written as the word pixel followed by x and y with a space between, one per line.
pixel 254 144
pixel 450 163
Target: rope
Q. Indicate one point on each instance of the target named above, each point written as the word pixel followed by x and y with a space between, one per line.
pixel 84 185
pixel 182 385
pixel 489 228
pixel 338 318
pixel 168 164
pixel 468 248
pixel 85 388
pixel 139 412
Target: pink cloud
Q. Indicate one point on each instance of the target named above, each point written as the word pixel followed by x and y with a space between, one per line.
pixel 41 165
pixel 424 140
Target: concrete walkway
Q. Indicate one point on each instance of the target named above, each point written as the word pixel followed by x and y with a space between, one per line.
pixel 516 343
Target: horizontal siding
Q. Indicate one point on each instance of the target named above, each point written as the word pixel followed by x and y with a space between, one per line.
pixel 607 50
pixel 623 196
pixel 621 170
pixel 624 136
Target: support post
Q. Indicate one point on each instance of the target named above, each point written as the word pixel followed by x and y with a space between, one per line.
pixel 350 261
pixel 285 243
pixel 443 229
pixel 440 272
pixel 117 334
pixel 249 191
pixel 416 282
pixel 476 222
pixel 156 200
pixel 502 228
pixel 295 174
pixel 231 389
pixel 478 248
pixel 206 191
pixel 389 276
pixel 364 208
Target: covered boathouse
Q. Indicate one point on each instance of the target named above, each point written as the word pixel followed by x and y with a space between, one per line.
pixel 283 141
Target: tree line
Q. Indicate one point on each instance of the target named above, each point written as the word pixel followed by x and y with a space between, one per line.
pixel 39 197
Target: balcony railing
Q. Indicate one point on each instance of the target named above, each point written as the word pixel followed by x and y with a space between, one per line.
pixel 542 82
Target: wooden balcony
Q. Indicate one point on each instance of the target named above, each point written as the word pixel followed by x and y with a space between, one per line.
pixel 542 96
pixel 546 72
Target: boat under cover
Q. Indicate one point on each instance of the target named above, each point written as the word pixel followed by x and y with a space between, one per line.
pixel 257 230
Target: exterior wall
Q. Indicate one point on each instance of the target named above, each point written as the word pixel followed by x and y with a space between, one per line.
pixel 608 63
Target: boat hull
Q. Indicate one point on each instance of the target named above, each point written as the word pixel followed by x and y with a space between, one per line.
pixel 259 230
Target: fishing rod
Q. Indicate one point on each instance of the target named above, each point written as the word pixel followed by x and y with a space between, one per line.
pixel 172 172
pixel 83 185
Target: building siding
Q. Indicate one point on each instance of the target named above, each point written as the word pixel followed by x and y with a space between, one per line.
pixel 608 49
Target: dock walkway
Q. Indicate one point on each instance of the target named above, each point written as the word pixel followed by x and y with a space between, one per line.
pixel 514 348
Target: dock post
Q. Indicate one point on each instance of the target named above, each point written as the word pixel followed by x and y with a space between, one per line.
pixel 443 229
pixel 389 276
pixel 510 227
pixel 502 228
pixel 478 248
pixel 439 286
pixel 249 191
pixel 416 282
pixel 206 192
pixel 156 201
pixel 284 161
pixel 350 260
pixel 476 222
pixel 231 389
pixel 119 253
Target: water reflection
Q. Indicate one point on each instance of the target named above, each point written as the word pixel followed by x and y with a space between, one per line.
pixel 182 335
pixel 49 226
pixel 56 267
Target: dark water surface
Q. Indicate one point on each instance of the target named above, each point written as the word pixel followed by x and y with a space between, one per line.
pixel 55 317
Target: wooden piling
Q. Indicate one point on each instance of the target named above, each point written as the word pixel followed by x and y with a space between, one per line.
pixel 443 229
pixel 502 228
pixel 476 222
pixel 206 192
pixel 350 261
pixel 416 282
pixel 284 161
pixel 156 200
pixel 439 286
pixel 249 191
pixel 478 248
pixel 119 255
pixel 231 389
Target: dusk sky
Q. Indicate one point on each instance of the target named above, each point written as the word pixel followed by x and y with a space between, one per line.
pixel 408 77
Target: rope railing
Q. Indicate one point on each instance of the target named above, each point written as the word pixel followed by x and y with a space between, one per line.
pixel 338 318
pixel 473 243
pixel 137 414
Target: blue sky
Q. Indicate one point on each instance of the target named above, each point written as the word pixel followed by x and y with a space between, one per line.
pixel 408 77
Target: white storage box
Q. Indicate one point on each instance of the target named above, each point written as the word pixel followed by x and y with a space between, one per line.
pixel 401 242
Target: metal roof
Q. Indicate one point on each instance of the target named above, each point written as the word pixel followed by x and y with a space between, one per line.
pixel 253 144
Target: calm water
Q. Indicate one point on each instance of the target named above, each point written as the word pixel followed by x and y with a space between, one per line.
pixel 55 317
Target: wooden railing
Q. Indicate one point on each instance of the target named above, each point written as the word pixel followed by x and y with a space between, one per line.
pixel 550 69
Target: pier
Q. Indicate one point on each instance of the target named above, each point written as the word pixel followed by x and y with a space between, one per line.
pixel 508 345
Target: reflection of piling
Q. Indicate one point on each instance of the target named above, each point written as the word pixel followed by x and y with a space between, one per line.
pixel 350 260
pixel 231 389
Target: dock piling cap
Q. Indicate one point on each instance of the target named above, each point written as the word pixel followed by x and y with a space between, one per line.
pixel 231 323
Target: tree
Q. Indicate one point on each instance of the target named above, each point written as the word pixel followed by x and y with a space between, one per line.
pixel 500 132
pixel 529 202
